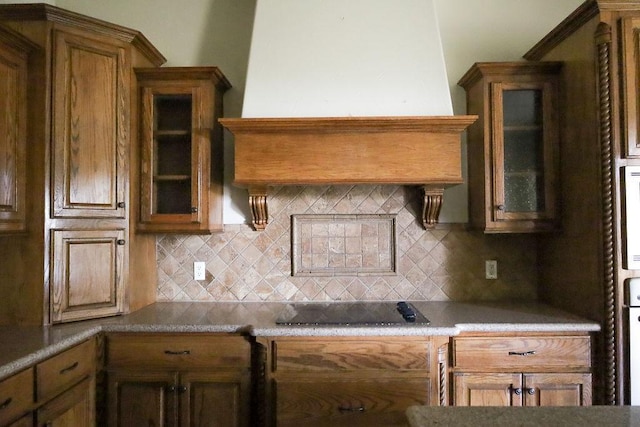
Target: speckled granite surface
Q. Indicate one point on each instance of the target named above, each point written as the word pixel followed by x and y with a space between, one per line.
pixel 425 416
pixel 24 346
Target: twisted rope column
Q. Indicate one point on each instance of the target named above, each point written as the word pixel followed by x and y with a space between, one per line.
pixel 603 41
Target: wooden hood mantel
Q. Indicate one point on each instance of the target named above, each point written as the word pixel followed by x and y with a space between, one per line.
pixel 424 151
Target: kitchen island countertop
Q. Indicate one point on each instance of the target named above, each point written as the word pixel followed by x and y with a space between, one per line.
pixel 531 416
pixel 24 346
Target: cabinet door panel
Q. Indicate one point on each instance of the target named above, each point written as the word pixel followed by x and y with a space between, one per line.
pixel 333 399
pixel 90 132
pixel 215 399
pixel 142 399
pixel 557 389
pixel 87 278
pixel 485 389
pixel 13 115
pixel 75 407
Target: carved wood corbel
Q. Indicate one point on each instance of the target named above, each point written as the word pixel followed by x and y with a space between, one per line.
pixel 258 205
pixel 431 204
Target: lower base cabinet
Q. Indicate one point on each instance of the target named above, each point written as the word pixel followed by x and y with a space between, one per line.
pixel 75 407
pixel 351 381
pixel 178 380
pixel 522 370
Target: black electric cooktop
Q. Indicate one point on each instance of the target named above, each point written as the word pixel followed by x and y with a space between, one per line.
pixel 352 313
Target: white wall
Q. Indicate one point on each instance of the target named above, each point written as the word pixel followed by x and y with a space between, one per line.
pixel 218 32
pixel 336 58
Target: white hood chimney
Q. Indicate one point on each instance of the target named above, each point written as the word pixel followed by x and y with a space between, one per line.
pixel 343 58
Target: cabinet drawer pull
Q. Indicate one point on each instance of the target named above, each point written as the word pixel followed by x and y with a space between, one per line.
pixel 68 368
pixel 517 391
pixel 194 209
pixel 177 353
pixel 120 242
pixel 522 353
pixel 121 204
pixel 351 409
pixel 6 403
pixel 531 391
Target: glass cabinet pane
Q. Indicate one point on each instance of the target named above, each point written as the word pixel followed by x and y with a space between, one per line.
pixel 523 151
pixel 172 154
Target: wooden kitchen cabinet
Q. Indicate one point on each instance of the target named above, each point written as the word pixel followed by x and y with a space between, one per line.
pixel 81 171
pixel 181 148
pixel 65 387
pixel 524 370
pixel 16 397
pixel 14 57
pixel 513 147
pixel 167 379
pixel 75 407
pixel 350 380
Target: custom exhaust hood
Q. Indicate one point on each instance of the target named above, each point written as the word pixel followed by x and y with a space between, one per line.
pixel 347 93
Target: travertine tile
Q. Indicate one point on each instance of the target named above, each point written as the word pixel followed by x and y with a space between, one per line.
pixel 438 265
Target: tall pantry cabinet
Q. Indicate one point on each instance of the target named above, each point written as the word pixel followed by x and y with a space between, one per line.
pixel 583 268
pixel 79 256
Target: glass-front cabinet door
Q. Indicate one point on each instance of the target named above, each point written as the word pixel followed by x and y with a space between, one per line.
pixel 522 146
pixel 513 146
pixel 181 149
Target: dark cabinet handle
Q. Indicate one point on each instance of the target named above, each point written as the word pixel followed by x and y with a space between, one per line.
pixel 182 389
pixel 171 388
pixel 6 403
pixel 522 353
pixel 360 408
pixel 531 391
pixel 120 242
pixel 194 209
pixel 500 207
pixel 517 391
pixel 177 353
pixel 121 204
pixel 68 368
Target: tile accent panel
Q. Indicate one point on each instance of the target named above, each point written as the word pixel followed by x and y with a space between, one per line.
pixel 445 264
pixel 343 245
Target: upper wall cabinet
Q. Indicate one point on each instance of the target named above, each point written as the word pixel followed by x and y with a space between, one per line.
pixel 79 257
pixel 14 56
pixel 89 133
pixel 181 148
pixel 513 147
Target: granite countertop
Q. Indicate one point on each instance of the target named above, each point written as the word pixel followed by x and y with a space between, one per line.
pixel 532 416
pixel 25 345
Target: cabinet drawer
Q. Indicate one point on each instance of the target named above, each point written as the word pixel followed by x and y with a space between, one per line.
pixel 181 351
pixel 522 352
pixel 351 354
pixel 334 399
pixel 62 371
pixel 16 396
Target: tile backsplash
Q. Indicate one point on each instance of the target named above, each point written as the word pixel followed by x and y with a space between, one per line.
pixel 436 265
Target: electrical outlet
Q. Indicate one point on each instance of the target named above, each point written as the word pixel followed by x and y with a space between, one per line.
pixel 199 270
pixel 491 269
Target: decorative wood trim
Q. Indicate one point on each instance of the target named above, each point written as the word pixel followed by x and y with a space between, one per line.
pixel 259 208
pixel 443 369
pixel 431 205
pixel 603 43
pixel 46 12
pixel 577 19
